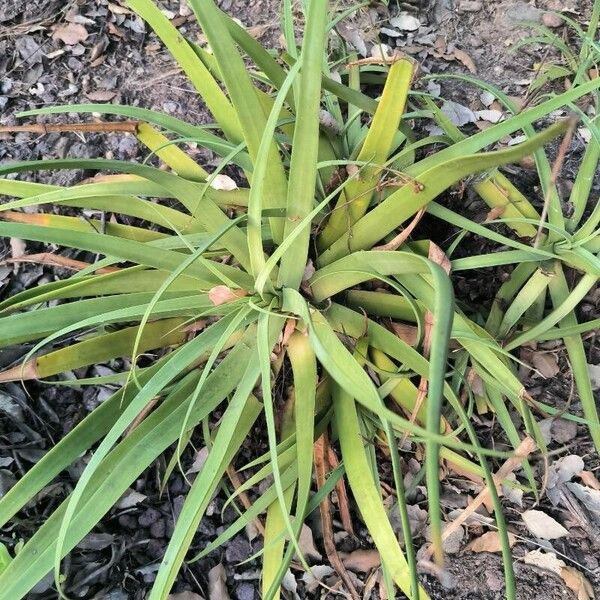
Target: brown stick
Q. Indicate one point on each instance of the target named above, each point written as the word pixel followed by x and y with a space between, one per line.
pixel 56 260
pixel 101 127
pixel 525 448
pixel 322 467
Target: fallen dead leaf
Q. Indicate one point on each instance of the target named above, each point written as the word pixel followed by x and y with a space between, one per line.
pixel 70 34
pixel 489 542
pixel 130 498
pixel 587 495
pixel 543 526
pixel 544 560
pixel 466 60
pixel 564 469
pixel 545 363
pixel 307 544
pixel 217 589
pixel 221 294
pixel 578 583
pixel 362 561
pixel 405 22
pixel 199 461
pixel 589 479
pixel 223 183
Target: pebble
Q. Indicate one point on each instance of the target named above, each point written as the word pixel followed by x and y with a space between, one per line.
pixel 237 550
pixel 158 529
pixel 148 517
pixel 551 20
pixel 470 6
pixel 245 591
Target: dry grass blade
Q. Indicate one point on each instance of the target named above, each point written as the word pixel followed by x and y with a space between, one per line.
pixel 322 467
pixel 100 127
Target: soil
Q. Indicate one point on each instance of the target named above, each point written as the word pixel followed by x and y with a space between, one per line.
pixel 120 61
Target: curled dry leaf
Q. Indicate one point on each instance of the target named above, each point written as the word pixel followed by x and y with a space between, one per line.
pixel 466 60
pixel 543 526
pixel 70 34
pixel 221 294
pixel 589 479
pixel 489 542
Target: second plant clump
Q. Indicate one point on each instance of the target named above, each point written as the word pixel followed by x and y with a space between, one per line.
pixel 305 265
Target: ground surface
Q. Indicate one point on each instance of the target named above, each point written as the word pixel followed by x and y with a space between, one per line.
pixel 117 60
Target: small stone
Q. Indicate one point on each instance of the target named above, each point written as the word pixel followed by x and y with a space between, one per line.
pixel 158 529
pixel 245 591
pixel 238 550
pixel 494 581
pixel 551 20
pixel 148 517
pixel 128 521
pixel 470 6
pixel 522 12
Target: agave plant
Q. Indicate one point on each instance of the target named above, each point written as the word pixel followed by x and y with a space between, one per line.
pixel 303 265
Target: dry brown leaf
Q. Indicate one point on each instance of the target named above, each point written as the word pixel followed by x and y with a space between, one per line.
pixel 362 561
pixel 489 542
pixel 543 526
pixel 545 363
pixel 466 60
pixel 578 583
pixel 407 333
pixel 544 560
pixel 221 294
pixel 116 9
pixel 70 34
pixel 589 479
